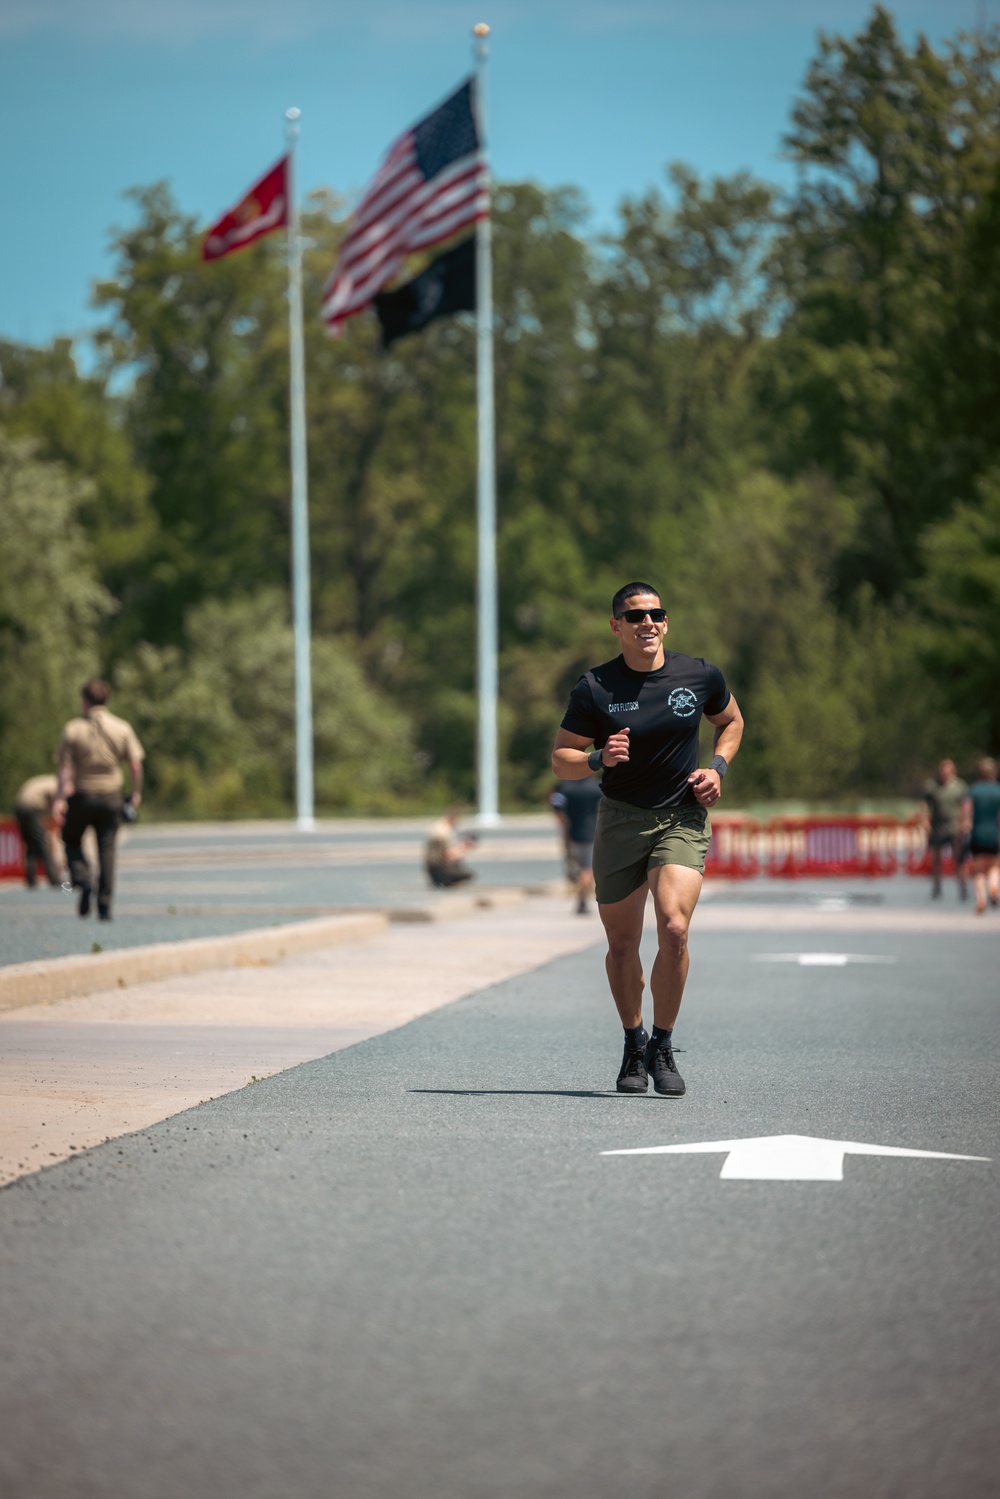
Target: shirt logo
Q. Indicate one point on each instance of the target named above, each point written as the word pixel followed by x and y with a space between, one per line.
pixel 623 707
pixel 683 701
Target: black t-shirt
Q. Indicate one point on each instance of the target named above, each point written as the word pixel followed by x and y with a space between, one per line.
pixel 578 801
pixel 662 710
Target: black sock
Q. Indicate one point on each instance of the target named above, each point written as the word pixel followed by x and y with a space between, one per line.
pixel 636 1037
pixel 661 1037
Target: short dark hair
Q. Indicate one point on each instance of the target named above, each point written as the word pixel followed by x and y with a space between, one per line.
pixel 95 691
pixel 630 589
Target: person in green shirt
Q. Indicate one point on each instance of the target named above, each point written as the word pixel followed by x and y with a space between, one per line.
pixel 941 818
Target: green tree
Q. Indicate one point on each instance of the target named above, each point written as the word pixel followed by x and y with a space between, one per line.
pixel 681 302
pixel 961 372
pixel 217 719
pixel 52 606
pixel 205 349
pixel 960 594
pixel 895 145
pixel 73 419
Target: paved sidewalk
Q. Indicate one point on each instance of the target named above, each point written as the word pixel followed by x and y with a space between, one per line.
pixel 85 1070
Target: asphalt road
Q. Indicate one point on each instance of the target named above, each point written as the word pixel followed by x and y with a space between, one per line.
pixel 410 1268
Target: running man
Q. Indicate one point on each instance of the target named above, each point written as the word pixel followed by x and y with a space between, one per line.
pixel 642 713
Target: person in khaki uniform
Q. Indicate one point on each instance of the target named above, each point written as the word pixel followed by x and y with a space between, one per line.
pixel 32 805
pixel 92 751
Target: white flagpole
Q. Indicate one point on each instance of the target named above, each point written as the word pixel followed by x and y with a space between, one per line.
pixel 300 500
pixel 486 505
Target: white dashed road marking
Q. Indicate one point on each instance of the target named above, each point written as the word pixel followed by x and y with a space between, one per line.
pixel 821 959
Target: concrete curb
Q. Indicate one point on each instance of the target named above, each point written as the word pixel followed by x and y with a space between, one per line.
pixel 52 979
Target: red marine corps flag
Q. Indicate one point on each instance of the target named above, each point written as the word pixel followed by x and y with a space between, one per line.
pixel 264 208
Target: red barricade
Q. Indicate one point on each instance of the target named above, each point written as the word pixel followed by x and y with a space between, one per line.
pixel 732 853
pixel 11 851
pixel 835 845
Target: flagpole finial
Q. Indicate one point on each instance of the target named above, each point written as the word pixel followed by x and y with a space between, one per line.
pixel 480 29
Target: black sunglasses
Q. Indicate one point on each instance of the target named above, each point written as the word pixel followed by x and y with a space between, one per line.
pixel 636 616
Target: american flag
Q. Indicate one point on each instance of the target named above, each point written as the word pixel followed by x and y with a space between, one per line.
pixel 432 183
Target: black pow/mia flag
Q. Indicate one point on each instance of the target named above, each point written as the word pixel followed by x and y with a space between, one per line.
pixel 447 285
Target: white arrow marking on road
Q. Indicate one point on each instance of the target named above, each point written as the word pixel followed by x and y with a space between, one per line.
pixel 820 959
pixel 788 1158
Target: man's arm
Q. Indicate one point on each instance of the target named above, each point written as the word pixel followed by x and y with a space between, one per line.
pixel 707 783
pixel 569 755
pixel 63 788
pixel 133 755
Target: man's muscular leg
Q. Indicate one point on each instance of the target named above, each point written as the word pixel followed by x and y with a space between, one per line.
pixel 623 927
pixel 675 894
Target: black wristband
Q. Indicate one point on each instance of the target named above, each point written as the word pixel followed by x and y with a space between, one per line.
pixel 719 763
pixel 596 759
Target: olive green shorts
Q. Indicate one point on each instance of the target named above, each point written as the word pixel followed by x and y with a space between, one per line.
pixel 632 840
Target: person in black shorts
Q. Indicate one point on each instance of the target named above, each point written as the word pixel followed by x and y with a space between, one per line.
pixel 575 804
pixel 642 713
pixel 981 822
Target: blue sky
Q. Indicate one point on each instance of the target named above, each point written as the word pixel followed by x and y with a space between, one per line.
pixel 100 95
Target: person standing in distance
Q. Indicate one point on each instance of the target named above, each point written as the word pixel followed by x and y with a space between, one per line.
pixel 642 712
pixel 981 822
pixel 92 751
pixel 941 817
